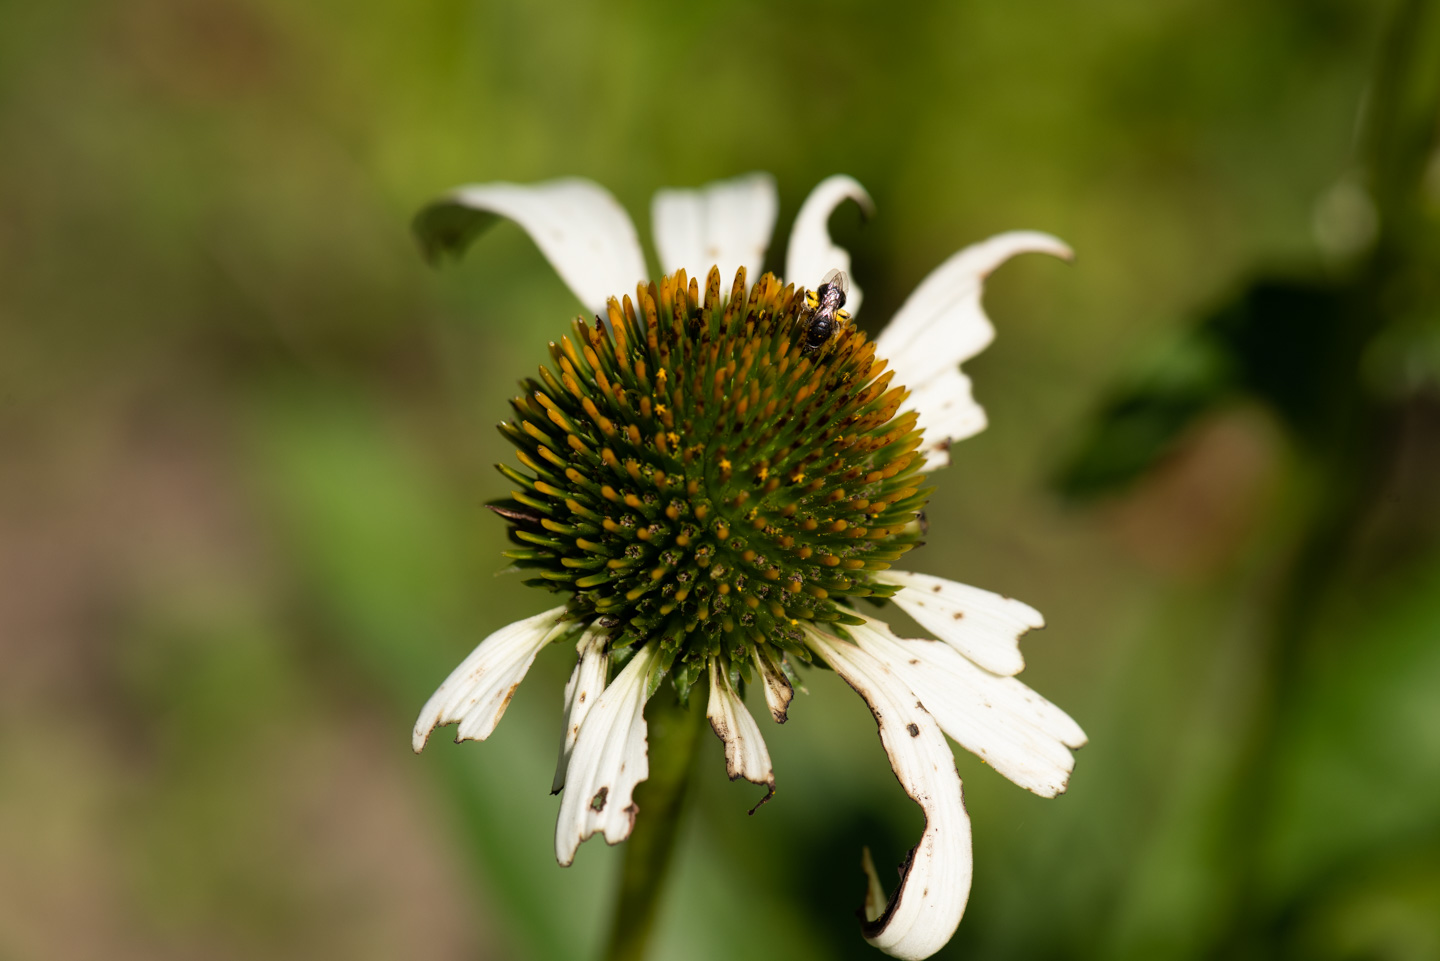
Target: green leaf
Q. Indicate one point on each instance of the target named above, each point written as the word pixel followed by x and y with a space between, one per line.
pixel 1143 420
pixel 1292 346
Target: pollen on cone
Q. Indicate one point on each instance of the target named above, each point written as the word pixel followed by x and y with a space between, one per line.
pixel 701 469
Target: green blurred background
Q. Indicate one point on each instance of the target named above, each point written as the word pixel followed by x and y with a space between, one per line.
pixel 246 436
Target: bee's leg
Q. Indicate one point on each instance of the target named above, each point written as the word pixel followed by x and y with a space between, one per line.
pixel 803 318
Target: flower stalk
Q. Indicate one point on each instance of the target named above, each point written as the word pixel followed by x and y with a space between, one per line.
pixel 674 732
pixel 1357 451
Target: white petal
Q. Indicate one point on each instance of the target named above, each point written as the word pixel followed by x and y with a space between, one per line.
pixel 812 254
pixel 924 911
pixel 580 228
pixel 778 691
pixel 943 324
pixel 745 752
pixel 982 625
pixel 477 692
pixel 1000 720
pixel 586 683
pixel 609 759
pixel 727 223
pixel 948 413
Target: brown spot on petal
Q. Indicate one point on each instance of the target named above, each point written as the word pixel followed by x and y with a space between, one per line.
pixel 597 803
pixel 936 588
pixel 913 729
pixel 959 614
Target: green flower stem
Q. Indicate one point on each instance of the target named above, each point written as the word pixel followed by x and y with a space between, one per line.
pixel 674 736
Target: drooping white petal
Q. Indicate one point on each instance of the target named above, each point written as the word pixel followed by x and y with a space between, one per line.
pixel 941 325
pixel 745 752
pixel 727 223
pixel 477 692
pixel 584 687
pixel 778 691
pixel 982 625
pixel 578 225
pixel 610 757
pixel 948 413
pixel 812 254
pixel 924 911
pixel 1000 720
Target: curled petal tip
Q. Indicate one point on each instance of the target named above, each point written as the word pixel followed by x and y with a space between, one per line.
pixel 812 253
pixel 1064 251
pixel 1044 243
pixel 993 252
pixel 580 228
pixel 874 905
pixel 921 915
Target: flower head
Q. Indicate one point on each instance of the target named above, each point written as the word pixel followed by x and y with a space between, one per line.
pixel 713 474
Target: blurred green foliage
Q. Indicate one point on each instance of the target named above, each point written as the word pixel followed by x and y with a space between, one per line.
pixel 247 437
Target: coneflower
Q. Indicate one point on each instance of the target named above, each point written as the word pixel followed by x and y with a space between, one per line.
pixel 713 482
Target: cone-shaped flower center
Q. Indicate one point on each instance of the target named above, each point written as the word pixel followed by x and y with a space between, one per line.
pixel 701 474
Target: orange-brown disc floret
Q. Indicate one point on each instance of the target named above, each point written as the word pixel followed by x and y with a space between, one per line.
pixel 692 476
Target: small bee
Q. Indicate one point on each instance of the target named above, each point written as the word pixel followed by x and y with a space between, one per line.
pixel 826 316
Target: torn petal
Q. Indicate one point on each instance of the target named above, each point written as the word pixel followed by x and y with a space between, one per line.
pixel 812 254
pixel 578 225
pixel 610 757
pixel 941 325
pixel 982 625
pixel 778 692
pixel 477 692
pixel 1000 720
pixel 727 224
pixel 922 914
pixel 745 752
pixel 586 683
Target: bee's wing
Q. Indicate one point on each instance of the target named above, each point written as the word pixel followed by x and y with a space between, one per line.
pixel 838 278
